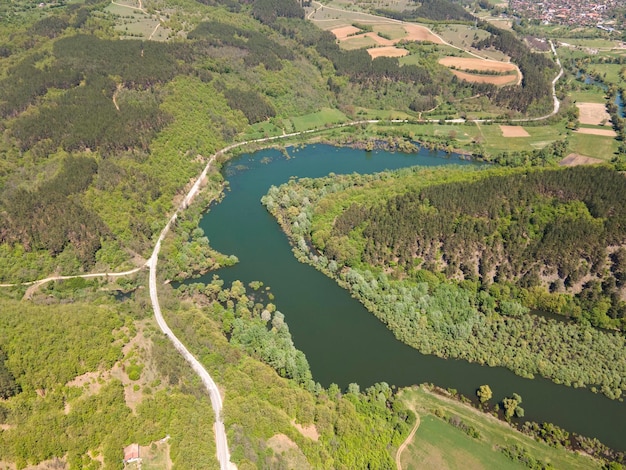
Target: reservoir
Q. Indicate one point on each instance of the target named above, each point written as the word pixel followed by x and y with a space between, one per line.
pixel 343 342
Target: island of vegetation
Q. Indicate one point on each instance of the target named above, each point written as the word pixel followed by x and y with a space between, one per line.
pixel 110 110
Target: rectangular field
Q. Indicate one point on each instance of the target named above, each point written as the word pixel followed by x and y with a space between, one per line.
pixel 539 137
pixel 594 114
pixel 593 146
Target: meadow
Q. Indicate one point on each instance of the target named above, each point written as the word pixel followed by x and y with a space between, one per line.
pixel 439 445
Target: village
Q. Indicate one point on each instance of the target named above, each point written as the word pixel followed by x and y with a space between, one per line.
pixel 569 12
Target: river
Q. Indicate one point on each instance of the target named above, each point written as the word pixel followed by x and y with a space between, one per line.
pixel 343 342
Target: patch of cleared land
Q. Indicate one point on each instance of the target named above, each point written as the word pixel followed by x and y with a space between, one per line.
pixel 472 63
pixel 416 32
pixel 289 452
pixel 493 79
pixel 345 32
pixel 592 131
pixel 514 131
pixel 350 38
pixel 309 431
pixel 464 68
pixel 155 456
pixel 387 51
pixel 575 159
pixel 594 114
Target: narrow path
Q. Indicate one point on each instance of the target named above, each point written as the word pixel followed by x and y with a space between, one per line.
pixel 84 276
pixel 130 6
pixel 117 90
pixel 408 440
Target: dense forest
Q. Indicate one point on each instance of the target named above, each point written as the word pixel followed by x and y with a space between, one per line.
pixel 459 312
pixel 557 229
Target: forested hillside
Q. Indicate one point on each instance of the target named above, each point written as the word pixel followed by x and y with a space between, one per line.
pixel 451 260
pixel 563 230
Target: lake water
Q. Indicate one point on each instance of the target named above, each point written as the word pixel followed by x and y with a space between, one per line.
pixel 343 342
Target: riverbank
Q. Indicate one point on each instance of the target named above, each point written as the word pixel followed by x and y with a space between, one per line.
pixel 454 432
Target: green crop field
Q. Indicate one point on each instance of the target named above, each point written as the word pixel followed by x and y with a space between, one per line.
pixel 593 145
pixel 540 136
pixel 439 445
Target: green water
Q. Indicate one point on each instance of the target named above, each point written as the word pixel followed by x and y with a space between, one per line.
pixel 343 342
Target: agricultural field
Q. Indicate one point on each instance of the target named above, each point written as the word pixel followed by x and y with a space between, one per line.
pixel 437 444
pixel 387 51
pixel 382 37
pixel 494 141
pixel 514 131
pixel 593 145
pixel 469 68
pixel 593 114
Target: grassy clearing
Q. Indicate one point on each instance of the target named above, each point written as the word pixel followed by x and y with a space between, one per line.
pixel 607 72
pixel 365 113
pixel 321 118
pixel 461 35
pixel 439 445
pixel 593 146
pixel 263 129
pixel 595 95
pixel 392 31
pixel 358 42
pixel 592 43
pixel 540 136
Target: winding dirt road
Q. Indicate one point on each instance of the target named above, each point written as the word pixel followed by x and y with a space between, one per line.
pixel 408 440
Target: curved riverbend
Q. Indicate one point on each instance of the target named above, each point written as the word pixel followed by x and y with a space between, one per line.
pixel 343 342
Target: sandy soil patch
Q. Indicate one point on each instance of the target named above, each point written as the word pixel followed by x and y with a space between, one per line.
pixel 605 132
pixel 574 159
pixel 344 32
pixel 290 454
pixel 419 33
pixel 493 79
pixel 387 51
pixel 514 131
pixel 474 63
pixel 280 443
pixel 593 113
pixel 309 431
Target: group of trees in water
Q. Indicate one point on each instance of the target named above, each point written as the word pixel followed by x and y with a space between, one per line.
pixel 470 313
